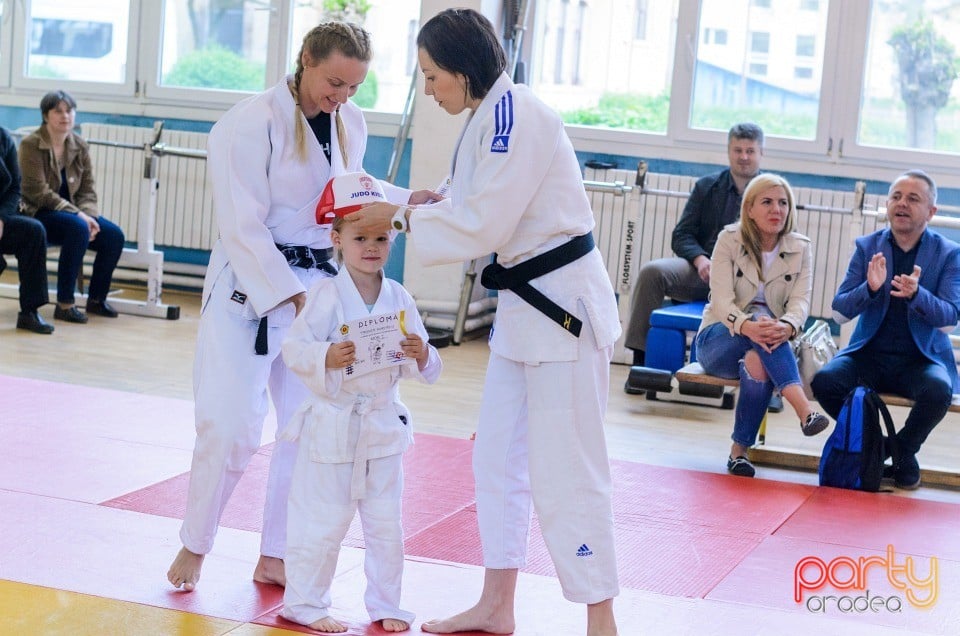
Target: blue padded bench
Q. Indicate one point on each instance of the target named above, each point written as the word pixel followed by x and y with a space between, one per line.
pixel 667 339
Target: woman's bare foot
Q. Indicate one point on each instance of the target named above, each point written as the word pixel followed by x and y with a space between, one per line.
pixel 327 625
pixel 600 620
pixel 394 625
pixel 270 570
pixel 184 572
pixel 475 619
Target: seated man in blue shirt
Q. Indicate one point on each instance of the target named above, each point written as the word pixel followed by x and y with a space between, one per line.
pixel 904 284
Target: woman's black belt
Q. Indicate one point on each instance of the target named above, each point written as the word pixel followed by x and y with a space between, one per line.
pixel 297 256
pixel 517 279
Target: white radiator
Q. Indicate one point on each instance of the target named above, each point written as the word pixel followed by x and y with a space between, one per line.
pixel 184 205
pixel 633 228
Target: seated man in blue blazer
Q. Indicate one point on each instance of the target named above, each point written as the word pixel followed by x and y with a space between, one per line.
pixel 904 283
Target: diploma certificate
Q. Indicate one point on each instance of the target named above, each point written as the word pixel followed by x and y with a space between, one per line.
pixel 377 340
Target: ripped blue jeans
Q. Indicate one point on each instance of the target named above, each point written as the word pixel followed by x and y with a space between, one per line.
pixel 722 355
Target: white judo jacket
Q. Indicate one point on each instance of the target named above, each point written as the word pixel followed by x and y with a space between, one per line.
pixel 517 190
pixel 351 420
pixel 263 194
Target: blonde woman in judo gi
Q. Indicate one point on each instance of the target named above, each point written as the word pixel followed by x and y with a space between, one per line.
pixel 517 190
pixel 269 158
pixel 353 431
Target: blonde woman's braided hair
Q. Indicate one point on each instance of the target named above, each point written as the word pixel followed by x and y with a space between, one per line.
pixel 322 40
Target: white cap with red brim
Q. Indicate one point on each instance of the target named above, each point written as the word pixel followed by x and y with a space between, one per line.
pixel 347 193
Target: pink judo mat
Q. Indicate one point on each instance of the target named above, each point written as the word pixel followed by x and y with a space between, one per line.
pixel 91 493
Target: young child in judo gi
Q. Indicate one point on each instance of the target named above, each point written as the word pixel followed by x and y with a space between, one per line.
pixel 354 428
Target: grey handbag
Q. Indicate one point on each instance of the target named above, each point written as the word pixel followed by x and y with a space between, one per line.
pixel 814 349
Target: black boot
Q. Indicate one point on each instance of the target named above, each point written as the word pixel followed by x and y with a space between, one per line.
pixel 33 321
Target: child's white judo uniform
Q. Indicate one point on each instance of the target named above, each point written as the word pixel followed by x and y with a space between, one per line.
pixel 353 432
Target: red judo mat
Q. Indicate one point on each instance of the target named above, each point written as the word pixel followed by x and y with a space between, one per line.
pixel 677 532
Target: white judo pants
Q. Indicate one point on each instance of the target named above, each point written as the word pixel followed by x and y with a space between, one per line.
pixel 319 516
pixel 541 433
pixel 230 393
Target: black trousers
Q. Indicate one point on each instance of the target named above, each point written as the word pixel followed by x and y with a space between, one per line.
pixel 912 376
pixel 25 238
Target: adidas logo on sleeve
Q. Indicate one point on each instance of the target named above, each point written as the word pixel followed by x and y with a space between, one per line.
pixel 503 117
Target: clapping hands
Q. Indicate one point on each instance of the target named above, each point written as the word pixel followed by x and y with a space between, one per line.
pixel 904 285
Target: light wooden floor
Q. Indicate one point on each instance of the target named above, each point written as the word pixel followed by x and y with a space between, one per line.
pixel 155 356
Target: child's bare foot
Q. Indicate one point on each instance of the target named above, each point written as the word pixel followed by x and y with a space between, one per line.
pixel 475 619
pixel 394 625
pixel 184 572
pixel 270 570
pixel 328 625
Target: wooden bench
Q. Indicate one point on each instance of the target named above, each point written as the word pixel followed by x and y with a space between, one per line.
pixel 765 454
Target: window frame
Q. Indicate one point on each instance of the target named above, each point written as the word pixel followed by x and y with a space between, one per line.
pixel 141 93
pixel 832 151
pixel 7 18
pixel 799 150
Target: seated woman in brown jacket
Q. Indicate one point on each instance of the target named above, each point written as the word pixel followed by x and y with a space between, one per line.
pixel 58 190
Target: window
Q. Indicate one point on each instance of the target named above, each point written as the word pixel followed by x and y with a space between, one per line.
pixel 832 80
pixel 624 83
pixel 911 96
pixel 215 51
pixel 759 42
pixel 715 36
pixel 218 50
pixel 78 41
pixel 214 45
pixel 762 86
